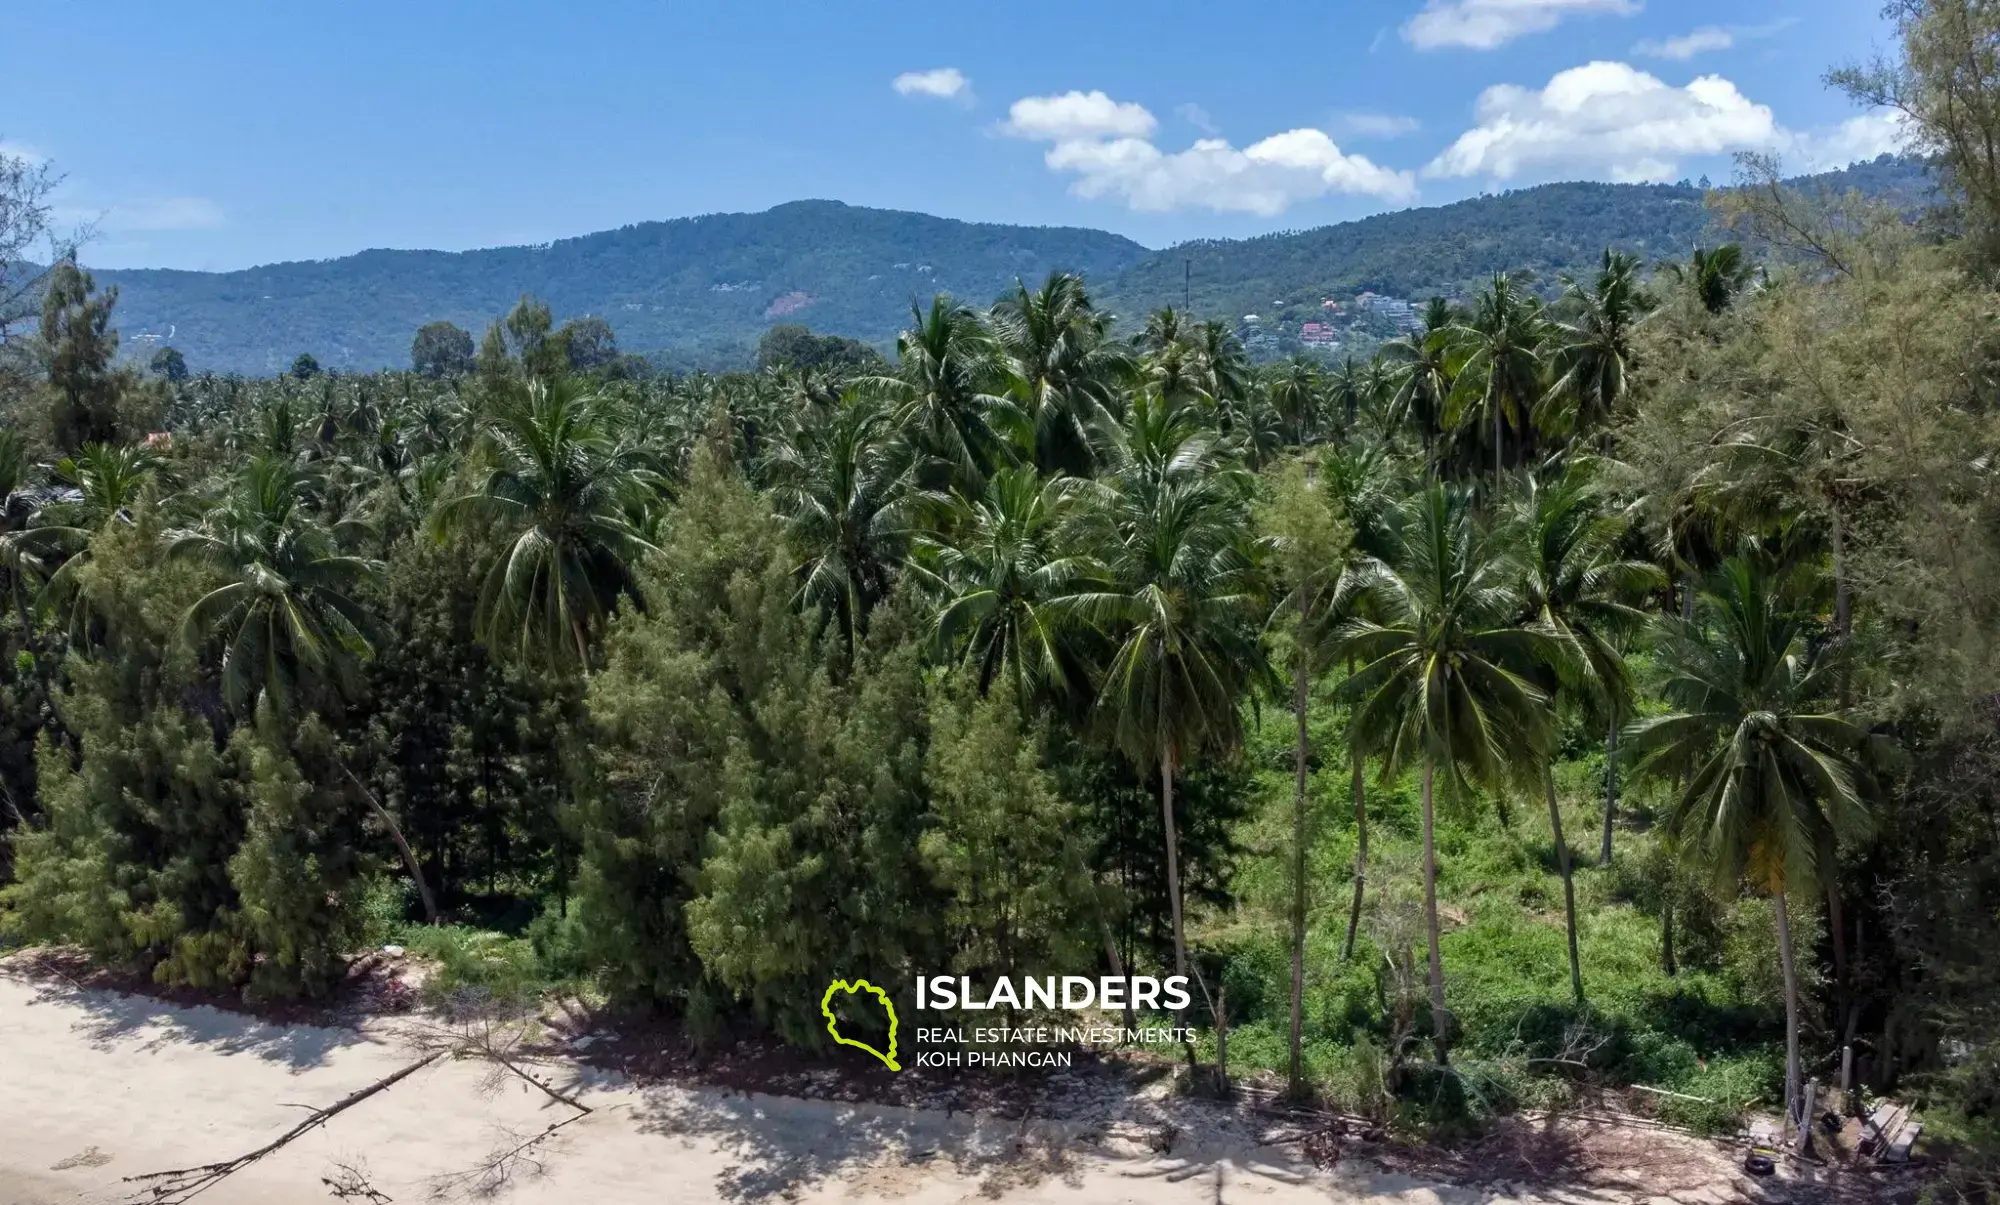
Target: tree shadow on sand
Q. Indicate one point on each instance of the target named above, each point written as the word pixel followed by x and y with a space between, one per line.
pixel 782 1146
pixel 109 1018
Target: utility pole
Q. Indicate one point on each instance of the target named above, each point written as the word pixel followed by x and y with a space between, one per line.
pixel 1187 285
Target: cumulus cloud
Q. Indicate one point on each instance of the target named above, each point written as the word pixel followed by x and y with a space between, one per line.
pixel 1077 115
pixel 945 83
pixel 1686 46
pixel 1107 146
pixel 1880 132
pixel 1606 119
pixel 1488 24
pixel 1379 125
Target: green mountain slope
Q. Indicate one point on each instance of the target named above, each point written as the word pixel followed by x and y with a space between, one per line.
pixel 703 288
pixel 700 291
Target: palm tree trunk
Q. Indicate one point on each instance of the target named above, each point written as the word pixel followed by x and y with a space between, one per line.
pixel 1440 1019
pixel 1360 852
pixel 1610 792
pixel 1843 603
pixel 1667 962
pixel 1173 859
pixel 1779 909
pixel 402 846
pixel 1569 882
pixel 1299 700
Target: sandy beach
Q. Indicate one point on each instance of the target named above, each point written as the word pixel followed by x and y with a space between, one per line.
pixel 100 1086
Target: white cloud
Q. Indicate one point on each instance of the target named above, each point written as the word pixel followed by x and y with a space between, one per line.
pixel 1487 24
pixel 1199 118
pixel 1879 132
pixel 146 214
pixel 1075 115
pixel 1606 119
pixel 945 83
pixel 1686 46
pixel 1379 125
pixel 1265 178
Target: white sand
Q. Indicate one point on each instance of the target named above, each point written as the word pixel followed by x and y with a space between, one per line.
pixel 96 1086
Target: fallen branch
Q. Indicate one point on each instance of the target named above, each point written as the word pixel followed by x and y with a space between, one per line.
pixel 1700 1100
pixel 184 1184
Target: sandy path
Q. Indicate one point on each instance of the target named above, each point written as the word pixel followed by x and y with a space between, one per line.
pixel 96 1086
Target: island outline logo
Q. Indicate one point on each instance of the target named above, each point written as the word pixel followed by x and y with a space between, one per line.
pixel 833 1024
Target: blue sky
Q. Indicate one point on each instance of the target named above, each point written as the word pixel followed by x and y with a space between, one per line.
pixel 218 135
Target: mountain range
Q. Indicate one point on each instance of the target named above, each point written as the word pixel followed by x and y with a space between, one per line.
pixel 700 291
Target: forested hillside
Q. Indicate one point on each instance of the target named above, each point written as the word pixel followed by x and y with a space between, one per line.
pixel 699 292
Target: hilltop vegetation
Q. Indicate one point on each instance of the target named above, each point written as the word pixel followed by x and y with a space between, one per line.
pixel 700 292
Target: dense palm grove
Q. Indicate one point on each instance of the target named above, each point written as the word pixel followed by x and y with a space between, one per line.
pixel 989 658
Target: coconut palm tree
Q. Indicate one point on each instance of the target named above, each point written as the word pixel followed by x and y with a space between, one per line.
pixel 1424 364
pixel 1578 588
pixel 99 485
pixel 1297 395
pixel 1500 380
pixel 1594 346
pixel 843 489
pixel 1063 371
pixel 287 622
pixel 556 501
pixel 938 396
pixel 1443 678
pixel 1714 278
pixel 1307 549
pixel 1773 777
pixel 1171 527
pixel 1007 579
pixel 1362 484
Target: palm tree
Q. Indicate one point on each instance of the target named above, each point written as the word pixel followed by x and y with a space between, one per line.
pixel 1714 278
pixel 287 621
pixel 557 501
pixel 1172 526
pixel 1577 587
pixel 1500 380
pixel 1773 779
pixel 1362 483
pixel 99 485
pixel 1221 368
pixel 1308 548
pixel 1007 582
pixel 1063 370
pixel 1443 678
pixel 1595 346
pixel 842 487
pixel 1296 391
pixel 1425 365
pixel 938 396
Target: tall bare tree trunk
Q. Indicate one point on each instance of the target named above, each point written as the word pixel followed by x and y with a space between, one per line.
pixel 1173 859
pixel 1299 865
pixel 1440 1019
pixel 1299 701
pixel 1667 962
pixel 1569 883
pixel 1360 850
pixel 1792 1088
pixel 1610 792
